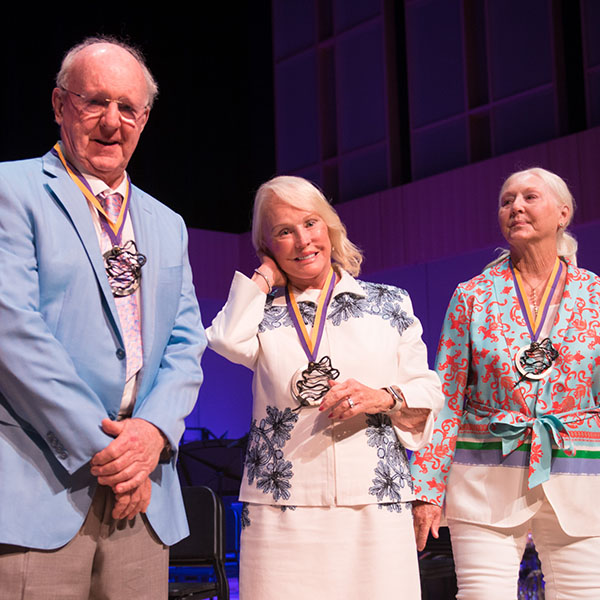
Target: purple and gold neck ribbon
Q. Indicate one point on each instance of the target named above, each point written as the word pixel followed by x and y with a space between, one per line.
pixel 112 228
pixel 535 324
pixel 310 343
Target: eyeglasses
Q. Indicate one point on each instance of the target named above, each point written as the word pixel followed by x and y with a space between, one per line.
pixel 96 106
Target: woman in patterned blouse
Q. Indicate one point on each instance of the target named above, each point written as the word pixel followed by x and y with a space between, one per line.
pixel 516 448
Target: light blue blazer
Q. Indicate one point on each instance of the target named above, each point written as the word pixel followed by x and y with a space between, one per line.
pixel 62 359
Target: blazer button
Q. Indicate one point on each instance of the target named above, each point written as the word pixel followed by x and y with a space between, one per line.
pixel 120 354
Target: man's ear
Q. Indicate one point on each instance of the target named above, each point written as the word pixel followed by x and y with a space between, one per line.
pixel 144 119
pixel 58 105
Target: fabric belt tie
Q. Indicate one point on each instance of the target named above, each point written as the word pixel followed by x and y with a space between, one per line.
pixel 127 306
pixel 512 428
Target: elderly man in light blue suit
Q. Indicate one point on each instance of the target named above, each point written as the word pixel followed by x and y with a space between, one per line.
pixel 90 421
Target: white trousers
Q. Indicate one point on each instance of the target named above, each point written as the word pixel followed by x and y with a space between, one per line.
pixel 487 559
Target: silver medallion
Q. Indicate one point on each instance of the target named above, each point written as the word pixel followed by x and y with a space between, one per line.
pixel 536 360
pixel 123 266
pixel 310 384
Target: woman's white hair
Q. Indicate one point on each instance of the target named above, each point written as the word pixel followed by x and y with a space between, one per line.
pixel 566 244
pixel 300 193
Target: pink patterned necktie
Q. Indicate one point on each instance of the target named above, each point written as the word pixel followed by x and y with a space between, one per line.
pixel 127 306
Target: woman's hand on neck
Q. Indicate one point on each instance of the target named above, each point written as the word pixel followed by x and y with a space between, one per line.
pixel 270 275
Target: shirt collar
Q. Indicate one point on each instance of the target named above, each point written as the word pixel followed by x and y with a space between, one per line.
pixel 98 186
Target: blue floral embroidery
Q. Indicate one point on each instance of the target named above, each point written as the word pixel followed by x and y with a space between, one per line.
pixel 379 293
pixel 265 462
pixel 274 317
pixel 280 424
pixel 308 310
pixel 386 300
pixel 382 300
pixel 392 472
pixel 245 516
pixel 347 305
pixel 397 507
pixel 380 435
pixel 397 317
pixel 274 479
pixel 277 316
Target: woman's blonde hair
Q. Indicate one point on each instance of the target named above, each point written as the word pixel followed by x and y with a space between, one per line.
pixel 300 193
pixel 566 244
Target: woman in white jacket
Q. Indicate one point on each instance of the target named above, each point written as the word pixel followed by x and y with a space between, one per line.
pixel 341 387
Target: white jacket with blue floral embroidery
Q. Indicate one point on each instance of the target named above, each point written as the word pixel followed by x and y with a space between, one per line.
pixel 301 457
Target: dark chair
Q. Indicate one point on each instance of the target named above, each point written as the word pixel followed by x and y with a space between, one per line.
pixel 205 546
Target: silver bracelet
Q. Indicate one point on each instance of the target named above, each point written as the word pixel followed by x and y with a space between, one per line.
pixel 398 400
pixel 265 278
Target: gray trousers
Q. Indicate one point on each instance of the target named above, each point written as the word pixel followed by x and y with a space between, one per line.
pixel 106 560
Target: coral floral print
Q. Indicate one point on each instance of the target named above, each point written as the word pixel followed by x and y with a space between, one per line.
pixel 489 418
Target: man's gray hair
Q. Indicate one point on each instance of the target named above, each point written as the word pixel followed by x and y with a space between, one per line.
pixel 67 62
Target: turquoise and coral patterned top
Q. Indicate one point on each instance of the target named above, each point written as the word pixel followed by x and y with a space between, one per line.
pixel 494 418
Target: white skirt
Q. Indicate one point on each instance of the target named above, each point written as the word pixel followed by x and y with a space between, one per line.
pixel 328 552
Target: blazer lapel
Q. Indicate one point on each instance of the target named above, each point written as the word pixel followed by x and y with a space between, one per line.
pixel 75 206
pixel 513 333
pixel 566 326
pixel 145 239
